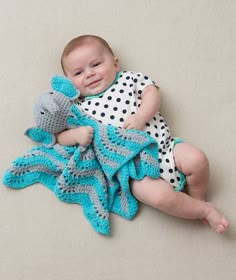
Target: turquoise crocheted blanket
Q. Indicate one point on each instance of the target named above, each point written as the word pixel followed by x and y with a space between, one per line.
pixel 96 177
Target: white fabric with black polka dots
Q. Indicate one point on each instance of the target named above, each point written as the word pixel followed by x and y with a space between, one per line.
pixel 123 98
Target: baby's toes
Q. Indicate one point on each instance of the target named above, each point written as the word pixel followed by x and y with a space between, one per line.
pixel 220 229
pixel 223 227
pixel 226 224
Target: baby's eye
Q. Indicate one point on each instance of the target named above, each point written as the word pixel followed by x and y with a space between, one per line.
pixel 78 73
pixel 96 64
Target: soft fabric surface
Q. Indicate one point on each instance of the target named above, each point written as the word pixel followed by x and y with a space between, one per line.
pixel 97 177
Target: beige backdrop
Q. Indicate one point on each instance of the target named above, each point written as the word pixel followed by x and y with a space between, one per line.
pixel 188 48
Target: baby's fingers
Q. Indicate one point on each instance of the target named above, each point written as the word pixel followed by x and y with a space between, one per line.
pixel 127 124
pixel 90 129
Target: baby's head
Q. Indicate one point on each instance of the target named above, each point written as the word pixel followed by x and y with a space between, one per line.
pixel 90 64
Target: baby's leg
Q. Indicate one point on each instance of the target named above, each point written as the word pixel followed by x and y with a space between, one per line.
pixel 193 163
pixel 161 195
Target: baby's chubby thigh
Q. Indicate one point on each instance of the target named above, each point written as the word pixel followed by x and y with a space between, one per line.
pixel 190 159
pixel 193 163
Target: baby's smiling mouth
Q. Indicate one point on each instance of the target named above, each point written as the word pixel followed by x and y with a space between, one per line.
pixel 93 83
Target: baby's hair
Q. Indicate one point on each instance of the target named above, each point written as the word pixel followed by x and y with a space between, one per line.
pixel 80 41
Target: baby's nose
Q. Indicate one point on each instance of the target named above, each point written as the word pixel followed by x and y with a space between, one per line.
pixel 90 73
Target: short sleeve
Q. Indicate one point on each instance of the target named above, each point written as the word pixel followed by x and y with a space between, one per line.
pixel 140 82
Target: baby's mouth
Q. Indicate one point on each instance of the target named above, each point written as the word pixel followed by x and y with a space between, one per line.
pixel 93 83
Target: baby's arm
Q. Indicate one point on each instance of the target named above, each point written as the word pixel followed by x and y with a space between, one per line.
pixel 150 105
pixel 82 135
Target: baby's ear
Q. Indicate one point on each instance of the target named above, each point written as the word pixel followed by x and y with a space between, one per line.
pixel 41 136
pixel 64 86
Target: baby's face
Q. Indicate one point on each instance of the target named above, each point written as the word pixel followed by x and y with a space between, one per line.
pixel 91 68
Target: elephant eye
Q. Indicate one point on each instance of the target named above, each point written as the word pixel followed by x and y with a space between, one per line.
pixel 50 92
pixel 41 112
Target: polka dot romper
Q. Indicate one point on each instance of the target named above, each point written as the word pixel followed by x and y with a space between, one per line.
pixel 123 98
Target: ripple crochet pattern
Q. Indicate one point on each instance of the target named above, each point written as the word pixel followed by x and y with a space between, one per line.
pixel 96 177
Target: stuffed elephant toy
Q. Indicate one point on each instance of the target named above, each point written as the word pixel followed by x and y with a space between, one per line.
pixel 51 111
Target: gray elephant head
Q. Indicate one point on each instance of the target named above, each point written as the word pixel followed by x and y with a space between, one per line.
pixel 51 111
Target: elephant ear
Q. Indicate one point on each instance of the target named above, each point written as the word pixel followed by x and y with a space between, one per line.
pixel 41 136
pixel 64 86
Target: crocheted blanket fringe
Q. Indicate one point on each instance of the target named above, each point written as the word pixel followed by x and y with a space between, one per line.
pixel 96 177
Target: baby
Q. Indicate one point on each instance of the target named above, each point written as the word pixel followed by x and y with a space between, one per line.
pixel 132 101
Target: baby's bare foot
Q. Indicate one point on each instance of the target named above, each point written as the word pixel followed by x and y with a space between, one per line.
pixel 215 219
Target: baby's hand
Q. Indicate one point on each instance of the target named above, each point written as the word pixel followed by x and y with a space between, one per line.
pixel 84 135
pixel 134 122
